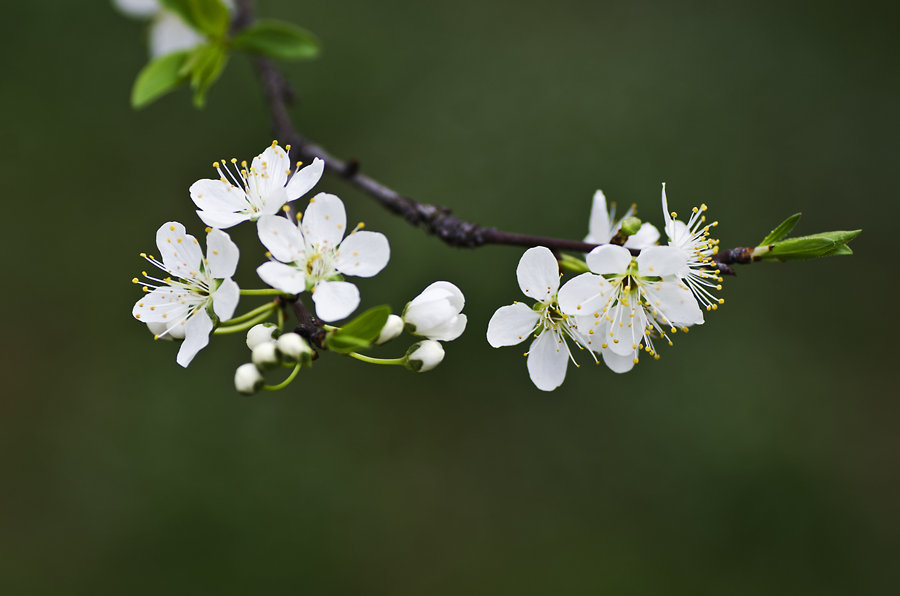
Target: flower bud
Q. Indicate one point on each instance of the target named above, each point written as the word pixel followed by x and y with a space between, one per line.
pixel 294 348
pixel 630 226
pixel 266 355
pixel 247 379
pixel 424 356
pixel 435 313
pixel 159 331
pixel 261 333
pixel 392 328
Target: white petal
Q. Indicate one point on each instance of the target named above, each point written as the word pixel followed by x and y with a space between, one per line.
pixel 222 219
pixel 138 8
pixel 511 325
pixel 221 254
pixel 282 238
pixel 617 363
pixel 538 273
pixel 169 33
pixel 196 336
pixel 225 299
pixel 363 254
pixel 304 179
pixel 676 303
pixel 666 214
pixel 180 252
pixel 609 258
pixel 335 300
pixel 325 221
pixel 679 234
pixel 425 316
pixel 548 358
pixel 269 172
pixel 273 201
pixel 216 195
pixel 282 277
pixel 648 235
pixel 162 305
pixel 626 331
pixel 450 330
pixel 660 261
pixel 599 228
pixel 585 294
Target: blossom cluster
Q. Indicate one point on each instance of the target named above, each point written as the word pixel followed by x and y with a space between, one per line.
pixel 311 252
pixel 634 294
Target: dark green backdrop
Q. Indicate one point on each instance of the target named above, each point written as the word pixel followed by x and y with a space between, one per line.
pixel 760 455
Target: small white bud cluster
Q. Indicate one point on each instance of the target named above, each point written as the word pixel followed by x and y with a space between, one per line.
pixel 267 351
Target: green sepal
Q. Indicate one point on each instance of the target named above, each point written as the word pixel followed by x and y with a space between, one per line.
pixel 781 230
pixel 278 39
pixel 158 77
pixel 359 333
pixel 206 16
pixel 824 244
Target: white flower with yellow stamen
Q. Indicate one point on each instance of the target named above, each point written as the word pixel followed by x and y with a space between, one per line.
pixel 314 256
pixel 603 225
pixel 245 193
pixel 627 301
pixel 179 304
pixel 549 354
pixel 692 239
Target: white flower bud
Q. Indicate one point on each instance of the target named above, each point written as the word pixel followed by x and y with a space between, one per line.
pixel 424 356
pixel 266 355
pixel 435 313
pixel 247 379
pixel 261 333
pixel 392 328
pixel 159 331
pixel 294 348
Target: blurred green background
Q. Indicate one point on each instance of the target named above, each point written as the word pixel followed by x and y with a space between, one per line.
pixel 759 455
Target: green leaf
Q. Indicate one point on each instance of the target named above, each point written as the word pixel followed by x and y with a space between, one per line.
pixel 809 247
pixel 781 230
pixel 205 66
pixel 574 264
pixel 359 333
pixel 278 39
pixel 158 77
pixel 206 16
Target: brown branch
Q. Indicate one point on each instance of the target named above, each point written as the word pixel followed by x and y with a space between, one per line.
pixel 434 219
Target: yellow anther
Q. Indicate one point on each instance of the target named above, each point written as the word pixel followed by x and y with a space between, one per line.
pixel 275 143
pixel 244 164
pixel 674 214
pixel 134 280
pixel 172 228
pixel 145 289
pixel 155 336
pixel 143 255
pixel 286 209
pixel 216 165
pixel 287 147
pixel 234 160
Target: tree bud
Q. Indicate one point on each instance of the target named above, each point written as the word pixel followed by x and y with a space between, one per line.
pixel 392 328
pixel 261 333
pixel 247 379
pixel 435 313
pixel 266 355
pixel 294 348
pixel 424 356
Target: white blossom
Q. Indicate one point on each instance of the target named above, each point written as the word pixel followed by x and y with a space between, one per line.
pixel 168 32
pixel 314 256
pixel 692 239
pixel 247 379
pixel 193 287
pixel 247 192
pixel 603 225
pixel 436 312
pixel 425 355
pixel 549 354
pixel 626 302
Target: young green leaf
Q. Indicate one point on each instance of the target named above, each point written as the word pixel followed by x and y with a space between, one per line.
pixel 159 77
pixel 278 39
pixel 781 230
pixel 205 66
pixel 359 333
pixel 809 247
pixel 206 16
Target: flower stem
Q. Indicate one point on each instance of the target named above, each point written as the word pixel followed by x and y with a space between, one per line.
pixel 245 325
pixel 263 292
pixel 371 360
pixel 250 314
pixel 285 382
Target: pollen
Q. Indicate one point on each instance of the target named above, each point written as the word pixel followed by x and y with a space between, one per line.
pixel 172 228
pixel 134 280
pixel 208 229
